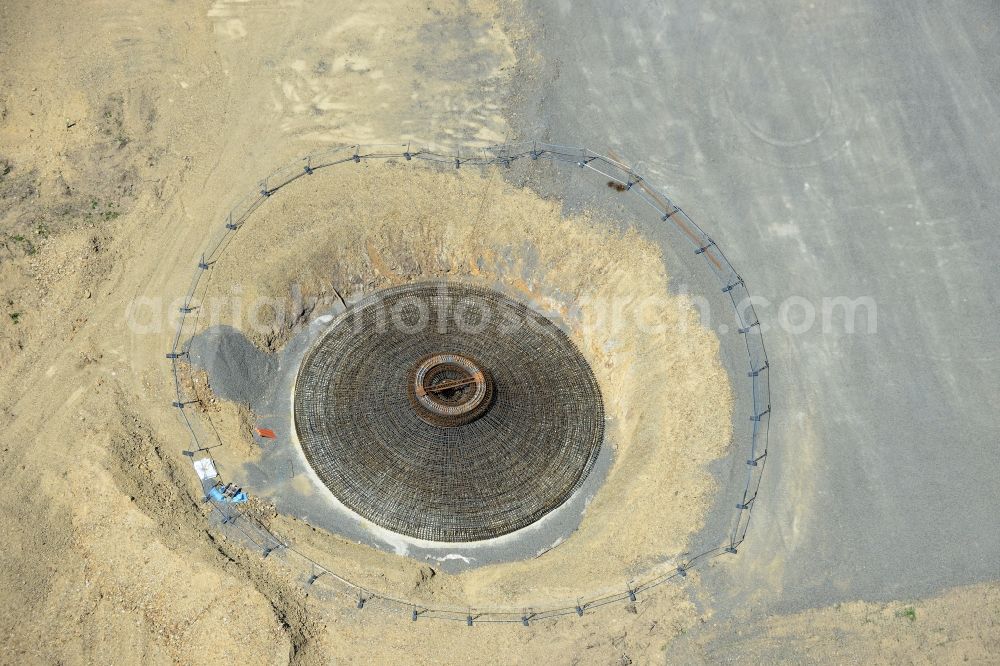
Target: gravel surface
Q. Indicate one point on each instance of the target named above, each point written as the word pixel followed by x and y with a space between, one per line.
pixel 843 150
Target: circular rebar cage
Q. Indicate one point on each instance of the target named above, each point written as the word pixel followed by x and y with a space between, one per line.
pixel 448 412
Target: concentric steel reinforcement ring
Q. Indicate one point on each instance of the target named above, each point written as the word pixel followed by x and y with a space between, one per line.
pixel 448 412
pixel 449 390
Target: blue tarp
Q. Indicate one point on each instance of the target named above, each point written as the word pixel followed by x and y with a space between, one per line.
pixel 218 495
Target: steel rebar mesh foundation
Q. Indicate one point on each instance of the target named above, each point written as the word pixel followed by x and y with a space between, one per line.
pixel 448 412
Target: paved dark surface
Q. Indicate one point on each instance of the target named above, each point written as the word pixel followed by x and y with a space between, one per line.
pixel 833 150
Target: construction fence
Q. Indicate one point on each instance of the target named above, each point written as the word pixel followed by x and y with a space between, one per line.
pixel 752 386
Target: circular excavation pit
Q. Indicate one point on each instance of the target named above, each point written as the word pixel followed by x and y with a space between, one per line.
pixel 342 246
pixel 448 412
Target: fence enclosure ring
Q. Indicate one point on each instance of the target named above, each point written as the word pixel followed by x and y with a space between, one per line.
pixel 472 372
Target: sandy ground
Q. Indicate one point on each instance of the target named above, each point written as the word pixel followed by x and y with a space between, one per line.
pixel 126 130
pixel 961 625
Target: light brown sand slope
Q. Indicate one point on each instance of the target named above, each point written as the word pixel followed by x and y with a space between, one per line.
pixel 961 625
